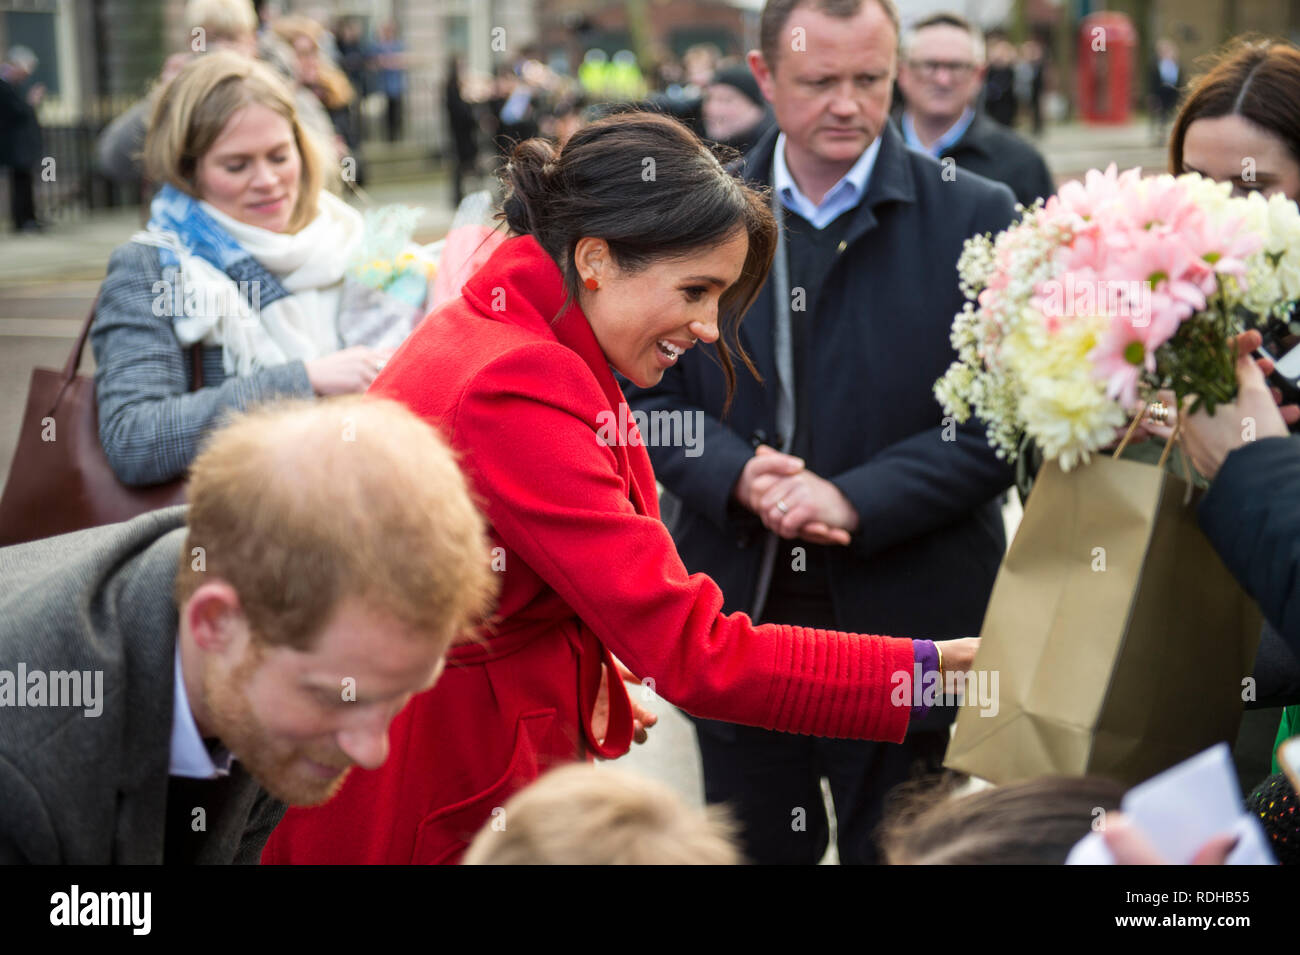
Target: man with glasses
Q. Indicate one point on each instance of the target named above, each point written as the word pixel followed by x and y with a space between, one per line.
pixel 940 76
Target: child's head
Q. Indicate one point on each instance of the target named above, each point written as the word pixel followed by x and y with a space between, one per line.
pixel 582 815
pixel 1035 822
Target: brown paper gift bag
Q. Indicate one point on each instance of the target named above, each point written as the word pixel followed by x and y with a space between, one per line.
pixel 1119 638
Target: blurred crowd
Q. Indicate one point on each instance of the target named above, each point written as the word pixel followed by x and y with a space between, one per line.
pixel 345 68
pixel 332 69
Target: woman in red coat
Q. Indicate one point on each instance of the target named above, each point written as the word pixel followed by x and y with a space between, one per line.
pixel 629 246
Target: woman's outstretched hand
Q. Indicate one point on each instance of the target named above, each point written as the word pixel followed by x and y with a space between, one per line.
pixel 346 372
pixel 958 655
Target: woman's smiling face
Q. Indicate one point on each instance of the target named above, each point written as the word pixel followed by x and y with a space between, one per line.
pixel 253 171
pixel 645 320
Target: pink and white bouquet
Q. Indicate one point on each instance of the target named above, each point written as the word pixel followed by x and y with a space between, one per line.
pixel 1116 287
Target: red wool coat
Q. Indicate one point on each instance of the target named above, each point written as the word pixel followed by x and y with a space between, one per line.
pixel 588 568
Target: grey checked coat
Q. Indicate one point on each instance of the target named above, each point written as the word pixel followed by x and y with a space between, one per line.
pixel 150 424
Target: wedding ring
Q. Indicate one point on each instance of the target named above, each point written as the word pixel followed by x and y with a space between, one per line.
pixel 782 507
pixel 1157 412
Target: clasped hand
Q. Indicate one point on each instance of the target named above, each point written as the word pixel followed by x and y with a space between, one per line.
pixel 794 502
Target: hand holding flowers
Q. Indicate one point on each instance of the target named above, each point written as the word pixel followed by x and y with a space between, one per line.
pixel 1254 414
pixel 1116 288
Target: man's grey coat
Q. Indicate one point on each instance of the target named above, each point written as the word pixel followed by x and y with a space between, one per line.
pixel 93 789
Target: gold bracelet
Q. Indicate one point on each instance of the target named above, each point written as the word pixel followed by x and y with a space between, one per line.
pixel 939 650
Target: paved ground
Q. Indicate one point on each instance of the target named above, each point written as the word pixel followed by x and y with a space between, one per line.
pixel 1073 149
pixel 48 282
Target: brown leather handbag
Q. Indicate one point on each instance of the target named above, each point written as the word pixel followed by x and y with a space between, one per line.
pixel 60 479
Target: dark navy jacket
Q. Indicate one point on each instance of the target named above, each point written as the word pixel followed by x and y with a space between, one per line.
pixel 1252 518
pixel 995 152
pixel 931 537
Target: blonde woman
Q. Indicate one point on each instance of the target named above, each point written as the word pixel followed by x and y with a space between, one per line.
pixel 244 256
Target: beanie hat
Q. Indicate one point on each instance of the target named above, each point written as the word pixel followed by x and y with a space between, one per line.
pixel 739 77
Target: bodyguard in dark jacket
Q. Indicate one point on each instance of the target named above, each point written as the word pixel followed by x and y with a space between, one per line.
pixel 995 152
pixel 877 340
pixel 872 294
pixel 940 78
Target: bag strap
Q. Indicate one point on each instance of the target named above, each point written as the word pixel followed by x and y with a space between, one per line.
pixel 1169 445
pixel 79 348
pixel 1164 455
pixel 196 366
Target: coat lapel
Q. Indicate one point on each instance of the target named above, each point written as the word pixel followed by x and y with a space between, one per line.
pixel 891 181
pixel 149 616
pixel 756 329
pixel 974 139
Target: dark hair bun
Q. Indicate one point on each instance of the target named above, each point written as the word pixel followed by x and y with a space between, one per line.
pixel 528 180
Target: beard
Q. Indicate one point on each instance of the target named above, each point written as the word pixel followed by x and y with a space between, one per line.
pixel 280 767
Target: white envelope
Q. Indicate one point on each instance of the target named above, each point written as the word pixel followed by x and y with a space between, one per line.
pixel 1183 808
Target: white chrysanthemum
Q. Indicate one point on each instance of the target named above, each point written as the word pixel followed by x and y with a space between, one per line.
pixel 982 382
pixel 1272 273
pixel 1214 198
pixel 1063 405
pixel 1283 242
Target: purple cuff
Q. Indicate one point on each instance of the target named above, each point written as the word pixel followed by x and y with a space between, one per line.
pixel 926 656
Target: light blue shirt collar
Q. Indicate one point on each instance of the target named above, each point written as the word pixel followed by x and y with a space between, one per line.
pixel 189 757
pixel 841 197
pixel 955 132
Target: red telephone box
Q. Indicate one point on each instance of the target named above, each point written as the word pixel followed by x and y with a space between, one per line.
pixel 1107 48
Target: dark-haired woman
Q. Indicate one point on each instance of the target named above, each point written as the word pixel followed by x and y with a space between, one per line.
pixel 1241 124
pixel 630 246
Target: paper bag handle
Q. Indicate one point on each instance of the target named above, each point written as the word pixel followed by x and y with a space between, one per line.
pixel 1169 445
pixel 1164 455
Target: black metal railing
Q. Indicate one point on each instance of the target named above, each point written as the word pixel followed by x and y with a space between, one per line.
pixel 67 184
